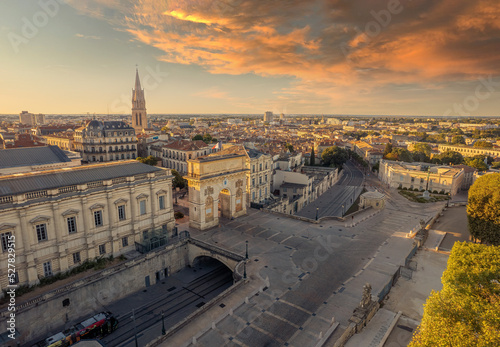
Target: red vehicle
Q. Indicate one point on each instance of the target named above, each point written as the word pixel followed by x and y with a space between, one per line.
pixel 98 325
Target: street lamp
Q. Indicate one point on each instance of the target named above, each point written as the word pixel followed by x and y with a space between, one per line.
pixel 246 252
pixel 162 323
pixel 317 210
pixel 245 270
pixel 135 329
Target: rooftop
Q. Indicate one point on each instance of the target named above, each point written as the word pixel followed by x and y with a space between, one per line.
pixel 29 182
pixel 16 157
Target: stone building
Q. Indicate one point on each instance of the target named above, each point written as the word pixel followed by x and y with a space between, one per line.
pixel 440 178
pixel 99 141
pixel 469 151
pixel 63 217
pixel 259 174
pixel 175 154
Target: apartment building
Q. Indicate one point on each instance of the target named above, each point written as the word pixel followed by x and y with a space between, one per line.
pixel 99 141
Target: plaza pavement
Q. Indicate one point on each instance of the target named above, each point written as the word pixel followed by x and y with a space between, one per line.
pixel 409 295
pixel 313 275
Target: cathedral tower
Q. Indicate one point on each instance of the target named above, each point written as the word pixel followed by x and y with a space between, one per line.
pixel 139 115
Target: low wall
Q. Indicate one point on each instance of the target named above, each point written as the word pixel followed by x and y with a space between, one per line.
pixel 91 294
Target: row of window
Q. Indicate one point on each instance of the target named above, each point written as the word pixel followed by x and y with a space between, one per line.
pixel 260 180
pixel 260 167
pixel 260 194
pixel 181 156
pixel 41 229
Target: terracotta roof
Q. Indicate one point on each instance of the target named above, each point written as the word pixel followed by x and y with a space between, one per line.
pixel 186 145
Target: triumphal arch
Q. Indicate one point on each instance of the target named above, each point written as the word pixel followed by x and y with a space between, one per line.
pixel 217 188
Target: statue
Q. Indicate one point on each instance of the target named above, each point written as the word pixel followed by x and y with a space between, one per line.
pixel 367 296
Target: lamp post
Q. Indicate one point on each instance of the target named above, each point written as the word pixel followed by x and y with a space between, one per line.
pixel 135 329
pixel 245 270
pixel 162 323
pixel 246 251
pixel 317 210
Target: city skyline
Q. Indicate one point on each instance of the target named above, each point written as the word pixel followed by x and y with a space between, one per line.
pixel 236 57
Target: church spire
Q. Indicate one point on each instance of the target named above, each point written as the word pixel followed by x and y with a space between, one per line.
pixel 137 80
pixel 139 114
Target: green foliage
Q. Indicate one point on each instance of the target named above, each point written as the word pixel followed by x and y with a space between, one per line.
pixel 312 162
pixel 496 165
pixel 422 147
pixel 334 156
pixel 483 209
pixel 289 147
pixel 400 154
pixel 458 140
pixel 178 215
pixel 388 149
pixel 483 144
pixel 466 312
pixel 197 137
pixel 476 162
pixel 178 181
pixel 448 157
pixel 357 134
pixel 150 160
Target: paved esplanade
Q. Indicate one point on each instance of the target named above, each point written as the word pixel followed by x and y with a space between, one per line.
pixel 315 272
pixel 337 200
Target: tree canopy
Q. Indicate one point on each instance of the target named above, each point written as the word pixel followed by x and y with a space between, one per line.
pixel 312 162
pixel 150 160
pixel 483 209
pixel 476 162
pixel 178 181
pixel 458 140
pixel 466 312
pixel 334 156
pixel 448 157
pixel 422 147
pixel 483 144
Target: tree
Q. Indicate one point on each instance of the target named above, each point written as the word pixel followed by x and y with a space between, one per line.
pixel 422 147
pixel 150 160
pixel 476 162
pixel 289 147
pixel 458 140
pixel 483 144
pixel 197 137
pixel 312 161
pixel 207 138
pixel 466 312
pixel 178 181
pixel 448 157
pixel 388 149
pixel 334 156
pixel 483 209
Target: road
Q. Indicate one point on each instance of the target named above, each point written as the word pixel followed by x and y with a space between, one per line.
pixel 181 294
pixel 337 200
pixel 309 267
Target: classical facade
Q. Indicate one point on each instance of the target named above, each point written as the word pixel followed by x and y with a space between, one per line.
pixel 217 188
pixel 139 115
pixel 421 176
pixel 61 218
pixel 99 141
pixel 175 154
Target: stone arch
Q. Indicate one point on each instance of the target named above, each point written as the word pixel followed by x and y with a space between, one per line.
pixel 223 178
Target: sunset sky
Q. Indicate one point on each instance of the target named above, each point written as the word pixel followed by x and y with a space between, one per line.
pixel 380 57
